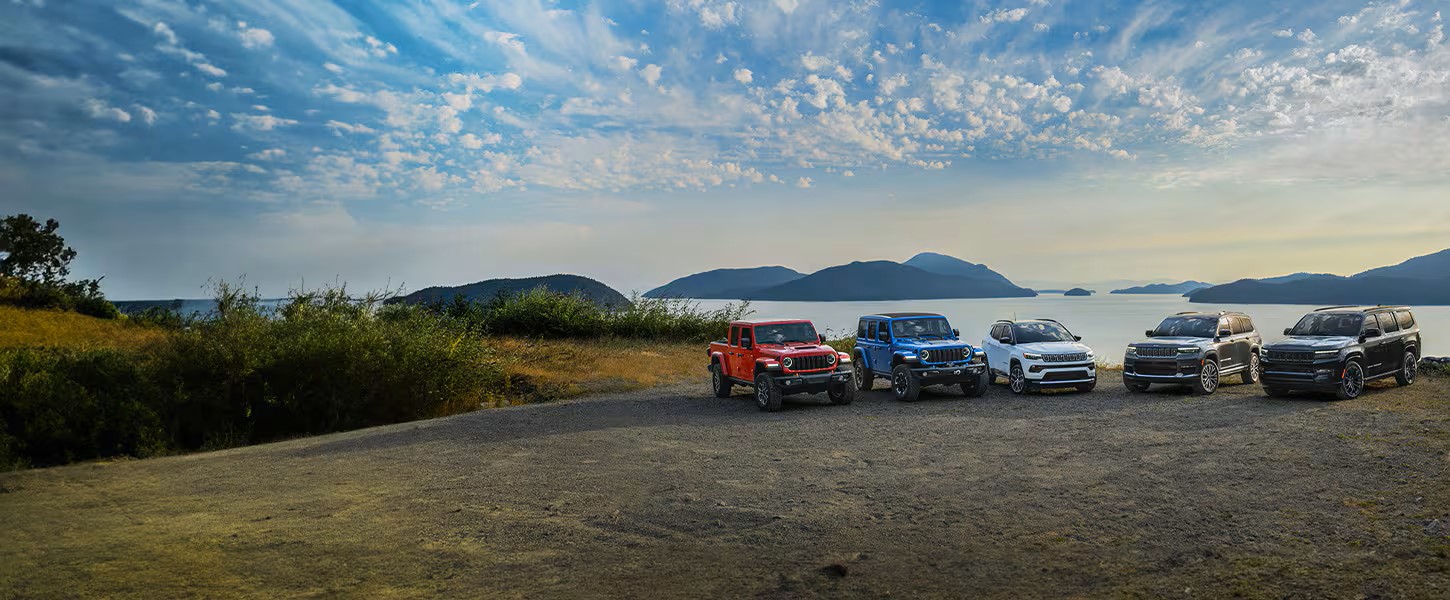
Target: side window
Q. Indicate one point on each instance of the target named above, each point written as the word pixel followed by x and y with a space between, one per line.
pixel 1407 320
pixel 861 329
pixel 1243 325
pixel 1225 323
pixel 871 330
pixel 747 334
pixel 1003 331
pixel 884 333
pixel 1387 323
pixel 734 335
pixel 1372 322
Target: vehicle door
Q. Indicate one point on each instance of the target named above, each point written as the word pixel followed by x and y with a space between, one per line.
pixel 999 352
pixel 1243 340
pixel 1375 348
pixel 1228 351
pixel 1394 344
pixel 732 347
pixel 881 352
pixel 745 354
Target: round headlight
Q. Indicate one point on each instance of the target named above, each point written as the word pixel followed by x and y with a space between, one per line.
pixel 926 355
pixel 787 362
pixel 830 359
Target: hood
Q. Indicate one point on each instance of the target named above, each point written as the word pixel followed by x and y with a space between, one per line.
pixel 776 350
pixel 1172 342
pixel 1312 343
pixel 915 344
pixel 1054 348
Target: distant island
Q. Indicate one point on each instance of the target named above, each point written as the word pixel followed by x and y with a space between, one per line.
pixel 601 294
pixel 1078 292
pixel 1176 289
pixel 1423 280
pixel 925 276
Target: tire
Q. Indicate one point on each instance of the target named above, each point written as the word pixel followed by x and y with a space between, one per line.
pixel 767 395
pixel 842 396
pixel 1251 375
pixel 1409 370
pixel 1276 392
pixel 719 382
pixel 1087 387
pixel 1208 379
pixel 905 384
pixel 862 376
pixel 1017 380
pixel 1352 385
pixel 976 390
pixel 1136 387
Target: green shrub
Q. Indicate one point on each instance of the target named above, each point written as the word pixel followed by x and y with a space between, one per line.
pixel 82 296
pixel 59 406
pixel 545 313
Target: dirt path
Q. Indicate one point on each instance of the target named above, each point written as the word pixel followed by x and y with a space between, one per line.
pixel 672 492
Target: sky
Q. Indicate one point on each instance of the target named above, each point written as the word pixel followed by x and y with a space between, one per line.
pixel 413 143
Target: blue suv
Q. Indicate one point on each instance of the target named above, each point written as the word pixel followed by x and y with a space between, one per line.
pixel 915 350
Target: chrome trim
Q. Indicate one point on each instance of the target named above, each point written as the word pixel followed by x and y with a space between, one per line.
pixel 1188 376
pixel 1067 382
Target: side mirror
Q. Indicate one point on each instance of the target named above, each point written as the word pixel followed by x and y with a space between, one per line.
pixel 1077 338
pixel 883 337
pixel 1225 333
pixel 1288 331
pixel 1005 340
pixel 956 333
pixel 821 338
pixel 1149 333
pixel 1372 332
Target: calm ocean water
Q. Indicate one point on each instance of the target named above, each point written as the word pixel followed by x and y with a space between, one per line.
pixel 1107 323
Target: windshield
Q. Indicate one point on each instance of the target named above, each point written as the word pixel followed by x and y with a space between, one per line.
pixel 920 328
pixel 1329 324
pixel 1199 327
pixel 1028 333
pixel 782 333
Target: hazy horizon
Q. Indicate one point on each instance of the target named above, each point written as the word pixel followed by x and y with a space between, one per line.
pixel 440 143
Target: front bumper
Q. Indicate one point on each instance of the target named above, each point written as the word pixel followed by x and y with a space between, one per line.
pixel 949 374
pixel 1322 376
pixel 811 383
pixel 1162 370
pixel 1044 374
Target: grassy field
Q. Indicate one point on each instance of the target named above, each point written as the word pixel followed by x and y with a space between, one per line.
pixel 541 370
pixel 31 328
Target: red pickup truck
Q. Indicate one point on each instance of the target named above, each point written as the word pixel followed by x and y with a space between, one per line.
pixel 779 358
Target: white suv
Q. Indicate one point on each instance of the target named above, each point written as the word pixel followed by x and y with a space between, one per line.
pixel 1039 354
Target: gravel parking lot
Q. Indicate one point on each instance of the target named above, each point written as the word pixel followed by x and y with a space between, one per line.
pixel 671 492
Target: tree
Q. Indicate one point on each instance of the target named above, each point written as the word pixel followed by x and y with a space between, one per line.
pixel 34 252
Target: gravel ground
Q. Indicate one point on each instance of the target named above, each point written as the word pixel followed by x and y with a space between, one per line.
pixel 671 492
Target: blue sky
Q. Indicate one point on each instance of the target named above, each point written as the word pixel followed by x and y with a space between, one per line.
pixel 424 143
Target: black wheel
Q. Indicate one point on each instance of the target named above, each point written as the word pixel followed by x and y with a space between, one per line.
pixel 1352 385
pixel 976 390
pixel 1087 387
pixel 1207 382
pixel 842 393
pixel 1017 380
pixel 1409 369
pixel 904 384
pixel 1136 387
pixel 719 382
pixel 1251 376
pixel 767 395
pixel 862 376
pixel 1276 392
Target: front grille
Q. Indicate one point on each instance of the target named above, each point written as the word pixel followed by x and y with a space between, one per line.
pixel 1065 375
pixel 1144 367
pixel 1065 358
pixel 1158 352
pixel 1291 356
pixel 811 363
pixel 945 355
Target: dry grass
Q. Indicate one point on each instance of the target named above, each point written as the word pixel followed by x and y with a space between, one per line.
pixel 31 328
pixel 541 370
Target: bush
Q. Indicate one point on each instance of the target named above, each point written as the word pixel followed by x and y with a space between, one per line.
pixel 82 296
pixel 544 313
pixel 59 406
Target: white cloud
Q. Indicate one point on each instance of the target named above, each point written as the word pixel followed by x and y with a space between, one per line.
pixel 506 40
pixel 98 109
pixel 255 37
pixel 744 75
pixel 651 73
pixel 268 154
pixel 146 115
pixel 804 182
pixel 242 121
pixel 1004 15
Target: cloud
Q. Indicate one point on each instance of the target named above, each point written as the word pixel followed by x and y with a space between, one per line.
pixel 268 154
pixel 744 75
pixel 651 74
pixel 242 121
pixel 98 109
pixel 255 37
pixel 1004 15
pixel 804 182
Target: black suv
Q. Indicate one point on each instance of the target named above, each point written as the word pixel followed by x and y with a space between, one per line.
pixel 1195 349
pixel 1342 348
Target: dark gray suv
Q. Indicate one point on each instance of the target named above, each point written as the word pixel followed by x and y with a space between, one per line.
pixel 1341 348
pixel 1195 349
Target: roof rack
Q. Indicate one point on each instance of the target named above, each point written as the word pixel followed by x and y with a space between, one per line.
pixel 1335 307
pixel 1005 321
pixel 1049 321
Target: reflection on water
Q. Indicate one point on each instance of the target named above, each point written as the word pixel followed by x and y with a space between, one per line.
pixel 1107 323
